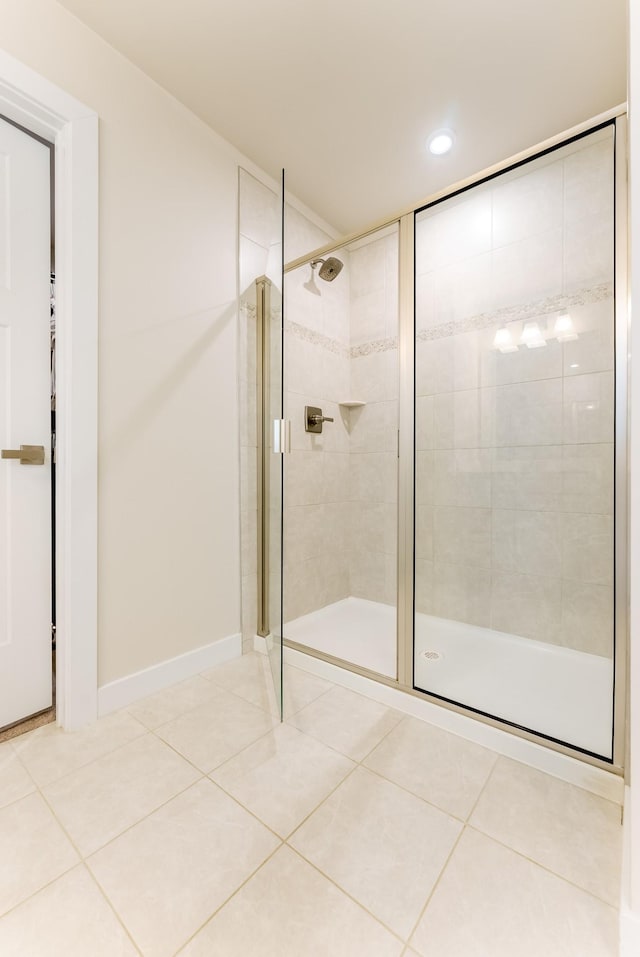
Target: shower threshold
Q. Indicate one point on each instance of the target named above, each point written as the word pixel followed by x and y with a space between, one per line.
pixel 558 692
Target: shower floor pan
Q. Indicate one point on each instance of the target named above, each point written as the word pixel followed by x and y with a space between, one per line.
pixel 564 694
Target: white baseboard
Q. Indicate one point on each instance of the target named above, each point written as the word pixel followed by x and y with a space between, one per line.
pixel 629 933
pixel 602 783
pixel 262 645
pixel 629 919
pixel 124 691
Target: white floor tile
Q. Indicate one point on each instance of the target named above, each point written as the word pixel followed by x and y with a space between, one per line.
pixel 99 801
pixel 301 688
pixel 383 846
pixel 283 777
pixel 168 874
pixel 572 832
pixel 288 909
pixel 440 767
pixel 172 702
pixel 346 721
pixel 15 782
pixel 216 730
pixel 69 918
pixel 49 752
pixel 34 851
pixel 241 674
pixel 491 902
pixel 250 678
pixel 383 837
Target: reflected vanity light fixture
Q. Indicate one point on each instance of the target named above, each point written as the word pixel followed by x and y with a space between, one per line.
pixel 563 329
pixel 440 142
pixel 503 341
pixel 532 336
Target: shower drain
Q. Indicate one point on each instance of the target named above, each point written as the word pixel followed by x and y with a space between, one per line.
pixel 431 655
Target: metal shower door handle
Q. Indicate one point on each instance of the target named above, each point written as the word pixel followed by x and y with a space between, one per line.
pixel 281 436
pixel 27 454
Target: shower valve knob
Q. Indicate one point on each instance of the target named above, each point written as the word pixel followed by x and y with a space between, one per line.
pixel 313 419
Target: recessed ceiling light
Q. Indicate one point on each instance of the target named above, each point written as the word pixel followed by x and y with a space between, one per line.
pixel 440 142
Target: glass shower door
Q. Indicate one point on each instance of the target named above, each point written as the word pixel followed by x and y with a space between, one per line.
pixel 276 440
pixel 341 490
pixel 260 332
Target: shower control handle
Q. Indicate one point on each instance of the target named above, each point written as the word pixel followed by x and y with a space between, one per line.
pixel 313 419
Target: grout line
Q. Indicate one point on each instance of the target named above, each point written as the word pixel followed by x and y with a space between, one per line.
pixel 35 893
pixel 407 790
pixel 85 857
pixel 317 807
pixel 384 737
pixel 346 893
pixel 242 750
pixel 483 788
pixel 247 810
pixel 21 798
pixel 111 906
pixel 336 749
pixel 543 867
pixel 435 885
pixel 85 764
pixel 231 896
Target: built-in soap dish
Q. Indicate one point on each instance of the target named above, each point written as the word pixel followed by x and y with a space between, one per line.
pixel 351 404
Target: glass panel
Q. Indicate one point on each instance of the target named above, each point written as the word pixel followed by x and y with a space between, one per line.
pixel 274 504
pixel 340 517
pixel 260 271
pixel 515 446
pixel 273 509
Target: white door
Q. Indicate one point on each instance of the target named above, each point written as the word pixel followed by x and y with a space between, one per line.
pixel 25 489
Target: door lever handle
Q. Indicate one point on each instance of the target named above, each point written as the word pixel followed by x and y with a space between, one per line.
pixel 27 454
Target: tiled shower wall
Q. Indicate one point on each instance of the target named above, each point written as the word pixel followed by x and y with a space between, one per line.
pixel 341 486
pixel 317 508
pixel 514 492
pixel 373 447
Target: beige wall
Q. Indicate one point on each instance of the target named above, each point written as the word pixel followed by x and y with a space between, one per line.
pixel 168 417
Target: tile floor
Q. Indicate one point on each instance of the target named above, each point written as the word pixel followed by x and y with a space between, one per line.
pixel 195 824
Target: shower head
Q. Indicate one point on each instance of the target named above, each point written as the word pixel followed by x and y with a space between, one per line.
pixel 329 269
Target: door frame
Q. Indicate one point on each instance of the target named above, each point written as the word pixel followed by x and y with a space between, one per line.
pixel 43 108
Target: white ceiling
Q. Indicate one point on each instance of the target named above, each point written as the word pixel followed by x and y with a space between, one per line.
pixel 343 93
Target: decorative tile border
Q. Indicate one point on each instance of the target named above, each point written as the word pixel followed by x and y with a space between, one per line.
pixel 378 345
pixel 531 310
pixel 484 320
pixel 247 309
pixel 316 338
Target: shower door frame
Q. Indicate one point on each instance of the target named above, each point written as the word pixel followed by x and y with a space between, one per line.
pixel 406 445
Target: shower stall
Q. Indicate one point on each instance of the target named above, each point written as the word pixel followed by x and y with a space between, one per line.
pixel 448 389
